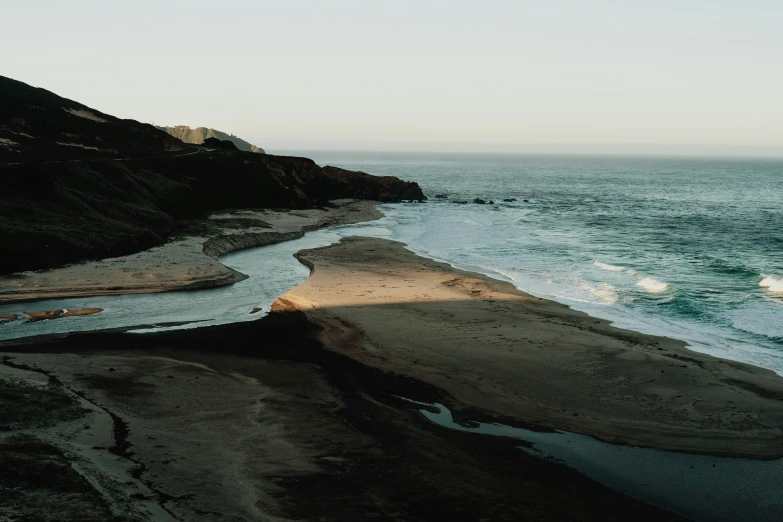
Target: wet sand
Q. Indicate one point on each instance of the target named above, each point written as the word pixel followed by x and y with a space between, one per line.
pixel 504 354
pixel 189 261
pixel 256 421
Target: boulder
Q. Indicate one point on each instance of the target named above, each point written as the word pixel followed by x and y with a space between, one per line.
pixel 479 201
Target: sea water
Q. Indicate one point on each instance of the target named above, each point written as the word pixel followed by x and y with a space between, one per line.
pixel 691 248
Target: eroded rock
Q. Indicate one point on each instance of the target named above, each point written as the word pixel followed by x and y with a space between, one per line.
pixel 57 314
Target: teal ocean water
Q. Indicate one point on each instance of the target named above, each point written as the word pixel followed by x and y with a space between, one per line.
pixel 691 248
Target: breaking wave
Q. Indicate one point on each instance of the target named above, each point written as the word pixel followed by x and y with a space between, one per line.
pixel 611 268
pixel 607 294
pixel 652 285
pixel 772 284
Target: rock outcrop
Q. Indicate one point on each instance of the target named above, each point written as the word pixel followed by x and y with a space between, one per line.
pixel 57 314
pixel 199 135
pixel 126 185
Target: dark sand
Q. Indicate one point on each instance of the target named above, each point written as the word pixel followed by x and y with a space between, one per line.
pixel 256 421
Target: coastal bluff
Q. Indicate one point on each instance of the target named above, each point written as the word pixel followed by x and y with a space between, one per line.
pixel 79 184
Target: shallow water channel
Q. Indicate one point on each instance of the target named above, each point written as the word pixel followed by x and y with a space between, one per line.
pixel 700 487
pixel 272 271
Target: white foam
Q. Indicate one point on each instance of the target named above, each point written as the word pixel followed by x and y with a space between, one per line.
pixel 606 293
pixel 758 318
pixel 611 268
pixel 772 284
pixel 652 285
pixel 509 275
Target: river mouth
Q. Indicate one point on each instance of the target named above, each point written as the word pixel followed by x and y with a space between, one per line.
pixel 701 487
pixel 272 271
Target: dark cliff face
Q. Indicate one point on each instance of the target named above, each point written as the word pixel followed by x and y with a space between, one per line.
pixel 119 186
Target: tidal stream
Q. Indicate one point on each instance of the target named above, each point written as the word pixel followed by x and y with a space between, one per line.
pixel 704 488
pixel 272 271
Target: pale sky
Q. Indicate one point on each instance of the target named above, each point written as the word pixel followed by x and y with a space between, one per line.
pixel 603 76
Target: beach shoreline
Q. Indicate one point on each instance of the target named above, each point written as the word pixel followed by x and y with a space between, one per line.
pixel 502 354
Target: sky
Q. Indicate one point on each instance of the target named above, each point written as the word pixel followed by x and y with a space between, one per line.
pixel 687 76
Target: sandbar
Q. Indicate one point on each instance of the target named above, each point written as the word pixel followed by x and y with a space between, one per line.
pixel 500 352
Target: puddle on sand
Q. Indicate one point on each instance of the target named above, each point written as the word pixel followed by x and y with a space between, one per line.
pixel 701 487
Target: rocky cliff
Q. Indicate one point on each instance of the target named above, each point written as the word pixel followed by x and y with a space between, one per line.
pixel 198 135
pixel 79 184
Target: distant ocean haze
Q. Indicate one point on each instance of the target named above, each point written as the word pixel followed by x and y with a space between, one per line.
pixel 691 248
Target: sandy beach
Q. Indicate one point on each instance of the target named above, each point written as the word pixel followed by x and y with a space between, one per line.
pixel 189 261
pixel 498 352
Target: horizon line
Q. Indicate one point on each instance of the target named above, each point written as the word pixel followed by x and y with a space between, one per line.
pixel 772 155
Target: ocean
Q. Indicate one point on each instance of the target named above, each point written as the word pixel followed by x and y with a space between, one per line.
pixel 690 248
